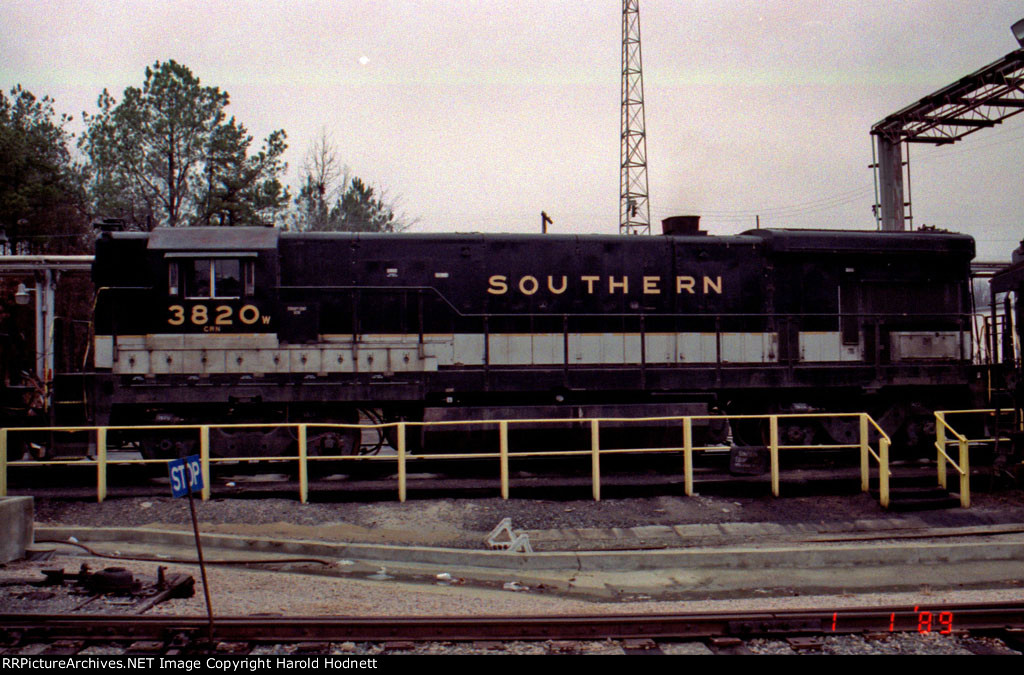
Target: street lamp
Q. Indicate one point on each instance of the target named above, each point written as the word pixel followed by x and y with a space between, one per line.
pixel 1018 31
pixel 21 295
pixel 44 301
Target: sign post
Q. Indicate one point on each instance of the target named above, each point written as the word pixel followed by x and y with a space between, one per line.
pixel 186 478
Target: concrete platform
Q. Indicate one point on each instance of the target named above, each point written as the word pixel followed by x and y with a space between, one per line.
pixel 775 566
pixel 16 527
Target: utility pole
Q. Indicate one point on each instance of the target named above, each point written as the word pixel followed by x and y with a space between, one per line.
pixel 634 209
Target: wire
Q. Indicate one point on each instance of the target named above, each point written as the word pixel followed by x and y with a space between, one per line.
pixel 811 205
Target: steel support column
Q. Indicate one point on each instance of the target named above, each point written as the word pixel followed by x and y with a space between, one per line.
pixel 890 182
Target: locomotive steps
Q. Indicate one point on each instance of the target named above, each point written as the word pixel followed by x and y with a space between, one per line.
pixel 917 492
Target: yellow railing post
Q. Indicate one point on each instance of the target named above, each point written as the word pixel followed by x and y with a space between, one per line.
pixel 883 471
pixel 595 461
pixel 204 459
pixel 940 441
pixel 688 456
pixel 101 464
pixel 965 474
pixel 401 461
pixel 3 462
pixel 865 457
pixel 773 427
pixel 503 451
pixel 303 467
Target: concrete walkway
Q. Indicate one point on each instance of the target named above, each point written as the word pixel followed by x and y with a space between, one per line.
pixel 691 561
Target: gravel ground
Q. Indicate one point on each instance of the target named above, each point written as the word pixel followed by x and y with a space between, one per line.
pixel 463 523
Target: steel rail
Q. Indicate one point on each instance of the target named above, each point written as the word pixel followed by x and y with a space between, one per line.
pixel 938 618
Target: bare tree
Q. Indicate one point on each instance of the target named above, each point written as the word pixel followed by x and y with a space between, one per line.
pixel 323 168
pixel 331 198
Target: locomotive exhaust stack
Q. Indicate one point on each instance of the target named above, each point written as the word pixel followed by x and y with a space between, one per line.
pixel 681 225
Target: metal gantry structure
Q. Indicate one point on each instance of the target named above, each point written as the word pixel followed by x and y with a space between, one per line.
pixel 634 208
pixel 980 100
pixel 46 270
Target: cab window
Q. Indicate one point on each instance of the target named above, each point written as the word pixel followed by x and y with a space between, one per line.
pixel 211 278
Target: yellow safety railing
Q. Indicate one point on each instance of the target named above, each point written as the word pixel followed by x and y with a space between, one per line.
pixel 882 457
pixel 403 457
pixel 963 466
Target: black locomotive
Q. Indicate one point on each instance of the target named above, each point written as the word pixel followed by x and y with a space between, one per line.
pixel 1006 379
pixel 225 325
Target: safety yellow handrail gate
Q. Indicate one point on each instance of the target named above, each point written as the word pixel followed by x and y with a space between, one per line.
pixel 963 465
pixel 403 457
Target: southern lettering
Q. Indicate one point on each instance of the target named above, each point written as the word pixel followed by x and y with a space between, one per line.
pixel 500 284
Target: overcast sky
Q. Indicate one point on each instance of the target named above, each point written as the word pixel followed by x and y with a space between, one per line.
pixel 477 115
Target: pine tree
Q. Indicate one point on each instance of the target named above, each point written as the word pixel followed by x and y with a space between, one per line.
pixel 167 154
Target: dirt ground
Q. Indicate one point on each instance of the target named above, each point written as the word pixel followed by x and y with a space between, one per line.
pixel 462 522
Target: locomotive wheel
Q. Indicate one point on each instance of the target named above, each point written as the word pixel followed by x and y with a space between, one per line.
pixel 842 430
pixel 171 446
pixel 750 432
pixel 912 430
pixel 332 442
pixel 797 433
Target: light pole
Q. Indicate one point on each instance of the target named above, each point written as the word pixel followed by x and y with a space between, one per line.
pixel 45 291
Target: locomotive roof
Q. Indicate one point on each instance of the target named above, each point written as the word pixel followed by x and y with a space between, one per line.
pixel 865 241
pixel 507 236
pixel 213 238
pixel 779 240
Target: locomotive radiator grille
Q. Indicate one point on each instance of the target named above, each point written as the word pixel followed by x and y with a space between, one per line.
pixel 202 354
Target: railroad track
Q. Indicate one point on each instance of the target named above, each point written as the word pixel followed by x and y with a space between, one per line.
pixel 190 633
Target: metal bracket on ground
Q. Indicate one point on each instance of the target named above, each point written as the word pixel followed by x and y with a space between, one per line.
pixel 504 538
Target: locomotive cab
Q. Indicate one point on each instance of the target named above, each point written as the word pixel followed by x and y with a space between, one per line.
pixel 185 301
pixel 185 329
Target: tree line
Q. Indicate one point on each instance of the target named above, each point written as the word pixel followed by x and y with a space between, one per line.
pixel 164 154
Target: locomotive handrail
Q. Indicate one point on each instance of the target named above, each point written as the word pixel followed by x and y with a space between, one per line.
pixel 402 457
pixel 420 290
pixel 749 315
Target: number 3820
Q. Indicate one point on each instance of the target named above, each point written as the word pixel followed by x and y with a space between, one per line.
pixel 220 315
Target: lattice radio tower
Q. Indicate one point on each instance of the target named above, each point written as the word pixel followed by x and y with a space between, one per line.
pixel 634 209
